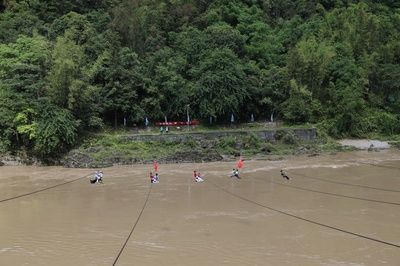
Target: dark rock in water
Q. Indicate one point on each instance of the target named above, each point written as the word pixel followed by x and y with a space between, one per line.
pixel 193 156
pixel 1 163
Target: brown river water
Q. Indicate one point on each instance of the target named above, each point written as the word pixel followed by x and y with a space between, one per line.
pixel 337 210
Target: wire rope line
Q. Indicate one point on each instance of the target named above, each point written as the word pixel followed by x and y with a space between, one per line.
pixel 307 220
pixel 43 189
pixel 366 163
pixel 342 183
pixel 133 227
pixel 377 165
pixel 336 195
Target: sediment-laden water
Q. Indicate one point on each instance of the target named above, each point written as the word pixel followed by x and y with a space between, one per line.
pixel 339 209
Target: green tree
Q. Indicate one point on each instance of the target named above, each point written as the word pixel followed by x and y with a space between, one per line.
pixel 118 74
pixel 18 20
pixel 56 131
pixel 68 60
pixel 167 69
pixel 300 107
pixel 23 65
pixel 308 63
pixel 221 84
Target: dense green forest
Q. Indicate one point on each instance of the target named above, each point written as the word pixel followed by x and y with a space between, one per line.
pixel 72 66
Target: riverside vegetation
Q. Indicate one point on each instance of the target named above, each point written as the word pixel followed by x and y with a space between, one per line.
pixel 108 149
pixel 69 68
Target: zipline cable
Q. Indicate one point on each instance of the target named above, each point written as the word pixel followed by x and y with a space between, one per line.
pixel 306 220
pixel 365 163
pixel 334 194
pixel 342 183
pixel 377 165
pixel 43 189
pixel 133 228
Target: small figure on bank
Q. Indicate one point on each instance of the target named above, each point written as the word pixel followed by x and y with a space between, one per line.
pixel 284 175
pixel 156 177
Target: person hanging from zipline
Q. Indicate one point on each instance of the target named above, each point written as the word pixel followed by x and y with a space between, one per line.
pixel 156 176
pixel 97 178
pixel 93 179
pixel 197 177
pixel 100 177
pixel 284 175
pixel 152 178
pixel 235 173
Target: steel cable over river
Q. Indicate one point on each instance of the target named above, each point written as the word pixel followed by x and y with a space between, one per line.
pixel 304 219
pixel 44 189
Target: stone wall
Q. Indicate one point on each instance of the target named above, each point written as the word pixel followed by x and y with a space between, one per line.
pixel 303 134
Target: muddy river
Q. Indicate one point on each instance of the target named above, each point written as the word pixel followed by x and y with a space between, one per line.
pixel 337 210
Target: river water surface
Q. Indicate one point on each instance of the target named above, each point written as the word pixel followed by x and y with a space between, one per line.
pixel 337 210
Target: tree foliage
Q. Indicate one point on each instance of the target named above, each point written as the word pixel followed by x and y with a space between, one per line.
pixel 71 66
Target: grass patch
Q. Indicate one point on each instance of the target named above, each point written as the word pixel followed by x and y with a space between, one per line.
pixel 115 147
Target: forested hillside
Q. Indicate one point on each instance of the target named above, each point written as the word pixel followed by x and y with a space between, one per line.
pixel 69 66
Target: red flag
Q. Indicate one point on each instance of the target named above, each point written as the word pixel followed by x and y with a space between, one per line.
pixel 155 164
pixel 240 163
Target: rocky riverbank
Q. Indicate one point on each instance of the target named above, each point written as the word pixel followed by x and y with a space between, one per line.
pixel 81 159
pixel 19 159
pixel 107 150
pixel 365 144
